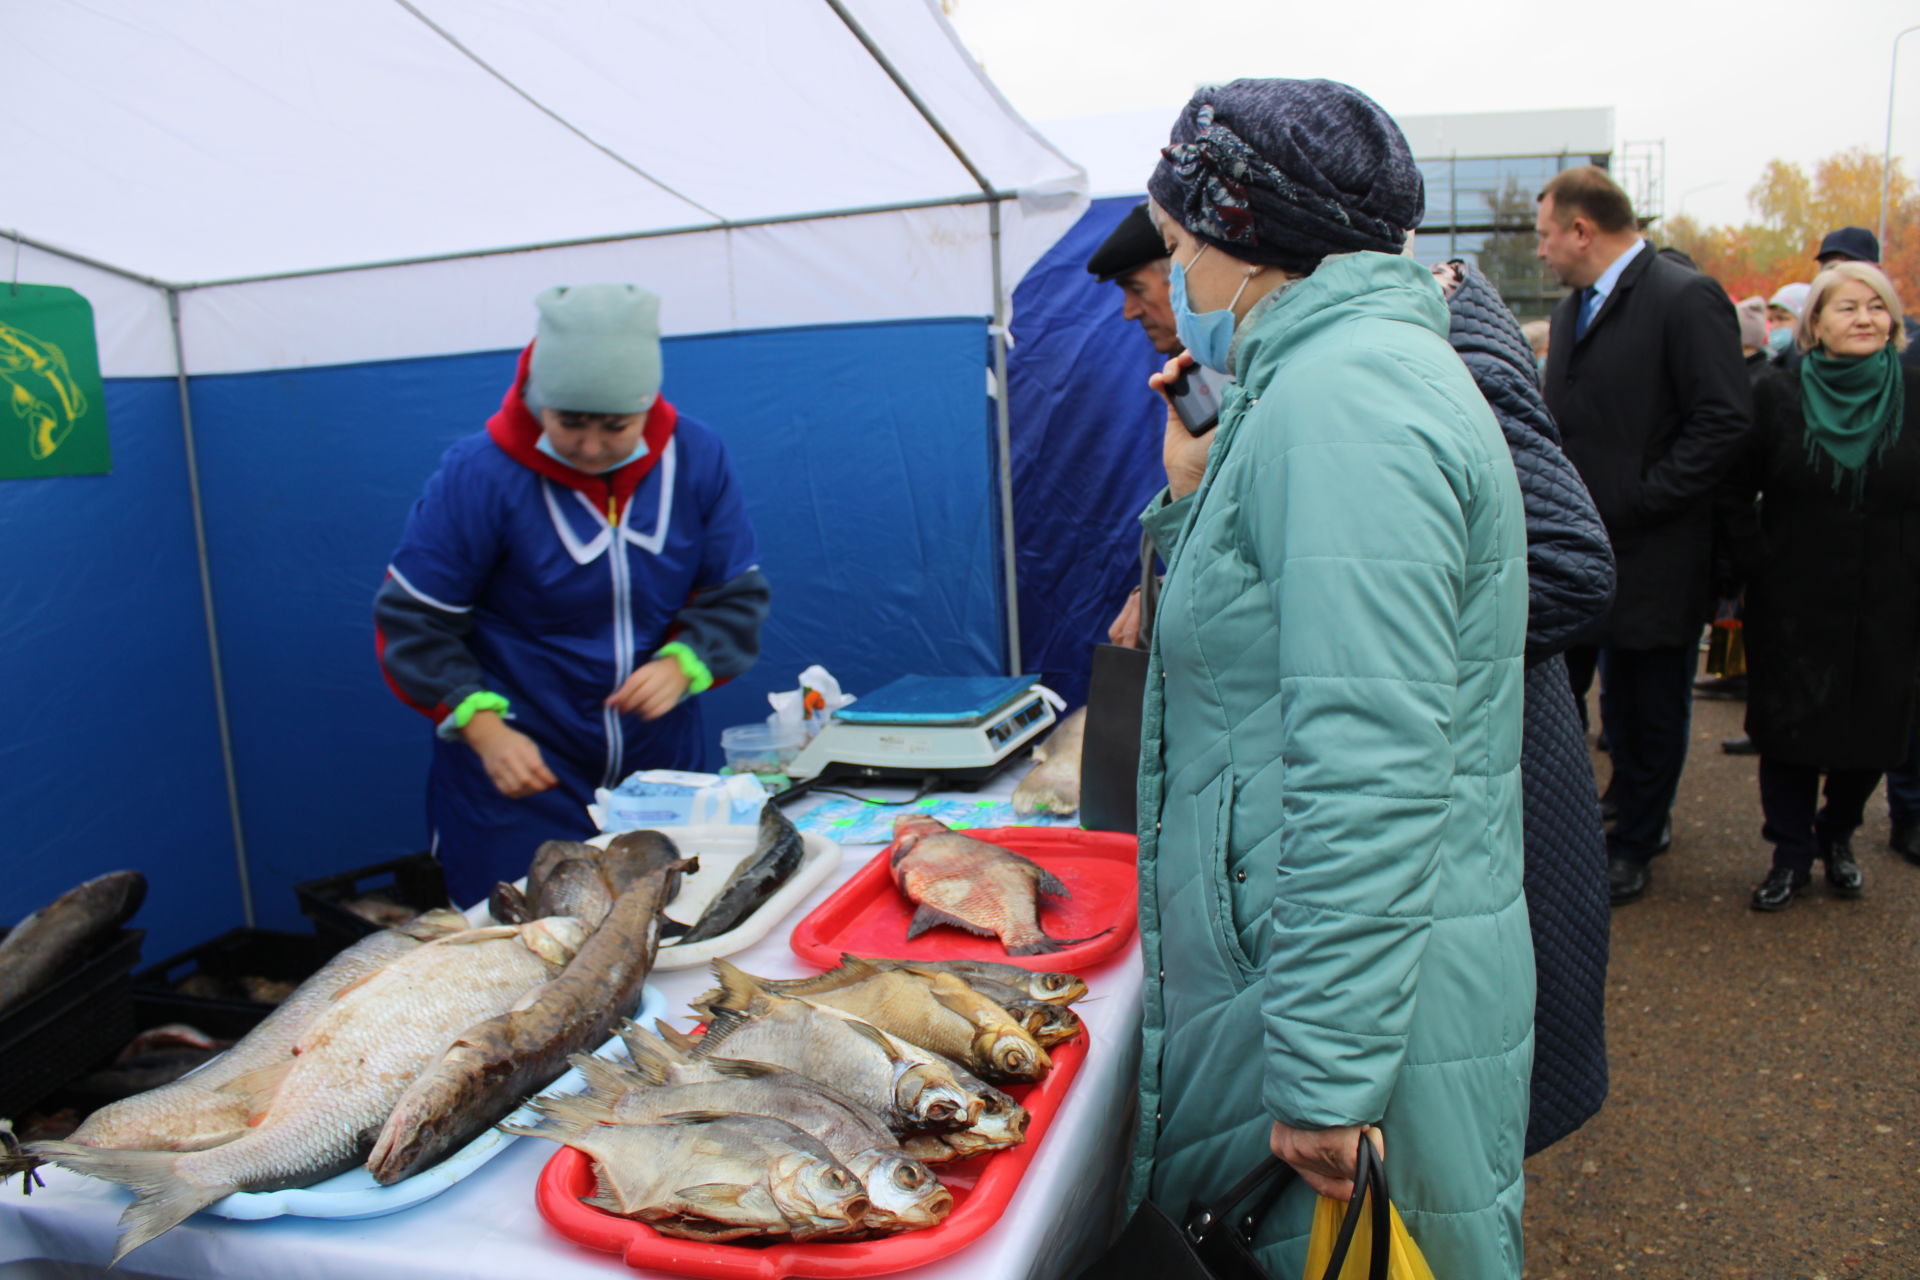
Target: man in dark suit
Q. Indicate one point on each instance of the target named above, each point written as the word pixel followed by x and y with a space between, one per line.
pixel 1645 378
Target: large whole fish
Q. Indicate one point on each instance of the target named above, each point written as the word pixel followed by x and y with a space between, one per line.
pixel 904 1194
pixel 906 1086
pixel 312 1114
pixel 776 856
pixel 1054 988
pixel 49 943
pixel 957 880
pixel 1053 784
pixel 716 1178
pixel 200 1111
pixel 495 1064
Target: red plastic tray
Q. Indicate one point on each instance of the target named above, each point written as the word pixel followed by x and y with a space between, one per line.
pixel 868 915
pixel 981 1190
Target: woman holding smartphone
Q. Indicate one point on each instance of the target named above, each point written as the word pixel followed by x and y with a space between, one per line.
pixel 1335 935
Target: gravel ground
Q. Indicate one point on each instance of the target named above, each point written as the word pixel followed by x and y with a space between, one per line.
pixel 1765 1068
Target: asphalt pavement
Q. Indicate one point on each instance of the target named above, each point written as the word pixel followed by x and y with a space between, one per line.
pixel 1764 1120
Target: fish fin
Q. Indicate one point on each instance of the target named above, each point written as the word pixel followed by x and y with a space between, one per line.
pixel 685 1044
pixel 509 905
pixel 486 933
pixel 724 1196
pixel 721 1025
pixel 953 994
pixel 1045 945
pixel 927 917
pixel 370 975
pixel 610 1080
pixel 738 988
pixel 652 1056
pixel 542 1127
pixel 876 1035
pixel 743 1068
pixel 702 1002
pixel 429 925
pixel 260 1085
pixel 1049 884
pixel 695 1117
pixel 162 1199
pixel 574 1113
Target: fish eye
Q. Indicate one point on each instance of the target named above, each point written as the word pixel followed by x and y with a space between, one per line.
pixel 838 1180
pixel 1016 1061
pixel 907 1178
pixel 942 1111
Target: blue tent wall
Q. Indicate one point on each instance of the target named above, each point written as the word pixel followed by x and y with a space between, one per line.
pixel 112 758
pixel 1086 452
pixel 863 450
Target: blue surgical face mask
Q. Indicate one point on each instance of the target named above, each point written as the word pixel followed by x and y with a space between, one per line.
pixel 1208 336
pixel 545 446
pixel 1780 339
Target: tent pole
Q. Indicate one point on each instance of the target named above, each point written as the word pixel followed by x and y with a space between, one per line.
pixel 1003 438
pixel 206 604
pixel 42 247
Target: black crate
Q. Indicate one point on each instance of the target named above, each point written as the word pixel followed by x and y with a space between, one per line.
pixel 415 882
pixel 73 1026
pixel 224 1010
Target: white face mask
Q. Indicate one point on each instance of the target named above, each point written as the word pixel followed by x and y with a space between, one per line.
pixel 544 445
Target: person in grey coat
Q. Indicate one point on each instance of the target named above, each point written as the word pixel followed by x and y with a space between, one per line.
pixel 1569 588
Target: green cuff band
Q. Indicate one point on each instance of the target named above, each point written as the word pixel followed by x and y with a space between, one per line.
pixel 699 679
pixel 474 703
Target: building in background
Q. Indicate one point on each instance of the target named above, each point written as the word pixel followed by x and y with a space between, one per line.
pixel 1482 171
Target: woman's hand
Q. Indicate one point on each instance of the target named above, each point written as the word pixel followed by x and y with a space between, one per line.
pixel 1125 628
pixel 512 759
pixel 1183 453
pixel 1324 1158
pixel 653 690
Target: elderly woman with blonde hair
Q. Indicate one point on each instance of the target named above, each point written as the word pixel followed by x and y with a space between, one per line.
pixel 1832 616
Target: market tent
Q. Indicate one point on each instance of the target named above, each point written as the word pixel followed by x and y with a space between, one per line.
pixel 311 235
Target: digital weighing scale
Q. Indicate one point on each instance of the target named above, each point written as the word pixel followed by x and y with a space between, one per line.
pixel 958 728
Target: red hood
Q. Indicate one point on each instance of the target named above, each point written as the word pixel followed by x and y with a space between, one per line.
pixel 517 432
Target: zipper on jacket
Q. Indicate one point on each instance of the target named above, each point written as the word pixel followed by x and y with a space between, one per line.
pixel 622 639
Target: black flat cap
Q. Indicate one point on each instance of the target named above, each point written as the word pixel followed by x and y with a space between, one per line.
pixel 1134 243
pixel 1855 243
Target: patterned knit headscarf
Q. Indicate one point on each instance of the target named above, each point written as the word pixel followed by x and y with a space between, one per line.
pixel 1288 171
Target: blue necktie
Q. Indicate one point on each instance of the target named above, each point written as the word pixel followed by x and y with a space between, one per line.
pixel 1589 297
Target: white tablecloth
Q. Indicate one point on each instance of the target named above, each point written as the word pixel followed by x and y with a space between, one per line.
pixel 488 1225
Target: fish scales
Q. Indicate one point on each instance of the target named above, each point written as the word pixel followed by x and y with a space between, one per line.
pixel 957 880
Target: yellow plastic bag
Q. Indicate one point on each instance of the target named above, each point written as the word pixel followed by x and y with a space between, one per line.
pixel 1404 1260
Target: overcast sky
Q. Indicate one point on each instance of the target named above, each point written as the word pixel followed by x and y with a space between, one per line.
pixel 1728 86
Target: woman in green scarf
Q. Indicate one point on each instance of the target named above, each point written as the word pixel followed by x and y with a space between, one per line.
pixel 1832 554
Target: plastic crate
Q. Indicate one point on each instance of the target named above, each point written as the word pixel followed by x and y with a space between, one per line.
pixel 415 881
pixel 70 1028
pixel 237 953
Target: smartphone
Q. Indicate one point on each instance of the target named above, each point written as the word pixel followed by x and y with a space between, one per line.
pixel 1196 398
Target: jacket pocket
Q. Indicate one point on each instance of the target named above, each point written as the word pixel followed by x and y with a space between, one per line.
pixel 1219 882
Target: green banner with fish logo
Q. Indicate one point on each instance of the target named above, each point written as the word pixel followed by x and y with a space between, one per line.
pixel 53 416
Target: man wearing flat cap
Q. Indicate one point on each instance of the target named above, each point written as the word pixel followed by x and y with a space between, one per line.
pixel 1135 258
pixel 571 577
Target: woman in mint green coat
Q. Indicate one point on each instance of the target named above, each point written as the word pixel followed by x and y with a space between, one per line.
pixel 1330 852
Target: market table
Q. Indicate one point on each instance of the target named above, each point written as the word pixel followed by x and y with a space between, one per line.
pixel 487 1225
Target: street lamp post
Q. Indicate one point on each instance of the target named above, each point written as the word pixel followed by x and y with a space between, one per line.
pixel 1886 158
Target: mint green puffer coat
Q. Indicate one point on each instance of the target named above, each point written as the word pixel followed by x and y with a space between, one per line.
pixel 1330 850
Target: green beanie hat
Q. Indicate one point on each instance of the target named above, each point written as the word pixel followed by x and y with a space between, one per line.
pixel 596 350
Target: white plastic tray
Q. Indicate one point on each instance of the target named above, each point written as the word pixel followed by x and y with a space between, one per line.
pixel 354 1194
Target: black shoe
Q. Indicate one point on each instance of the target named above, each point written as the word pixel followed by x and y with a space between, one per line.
pixel 1776 891
pixel 1843 873
pixel 1626 879
pixel 1905 841
pixel 1739 747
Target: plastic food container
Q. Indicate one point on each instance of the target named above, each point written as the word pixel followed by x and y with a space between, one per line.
pixel 760 748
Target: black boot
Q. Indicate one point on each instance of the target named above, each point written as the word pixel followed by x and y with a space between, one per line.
pixel 1776 891
pixel 1905 841
pixel 1843 873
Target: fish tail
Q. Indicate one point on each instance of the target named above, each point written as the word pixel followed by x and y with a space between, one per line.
pixel 566 1115
pixel 546 1126
pixel 653 1058
pixel 162 1198
pixel 737 987
pixel 612 1079
pixel 1045 945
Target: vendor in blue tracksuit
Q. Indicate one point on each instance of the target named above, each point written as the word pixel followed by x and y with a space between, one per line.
pixel 571 577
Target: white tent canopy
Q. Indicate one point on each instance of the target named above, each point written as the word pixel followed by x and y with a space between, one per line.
pixel 693 146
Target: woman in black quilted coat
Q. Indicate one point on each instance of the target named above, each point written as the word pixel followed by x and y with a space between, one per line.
pixel 1570 585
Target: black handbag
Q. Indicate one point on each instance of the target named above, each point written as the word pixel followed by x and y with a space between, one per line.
pixel 1116 690
pixel 1214 1242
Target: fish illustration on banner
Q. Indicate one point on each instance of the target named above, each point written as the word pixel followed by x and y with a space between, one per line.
pixel 54 419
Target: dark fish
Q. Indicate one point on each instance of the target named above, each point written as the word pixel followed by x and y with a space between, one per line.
pixel 775 858
pixel 495 1064
pixel 46 945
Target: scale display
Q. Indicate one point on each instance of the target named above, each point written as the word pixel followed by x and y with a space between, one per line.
pixel 954 727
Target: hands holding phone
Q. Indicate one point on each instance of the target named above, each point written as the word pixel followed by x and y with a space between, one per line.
pixel 1183 450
